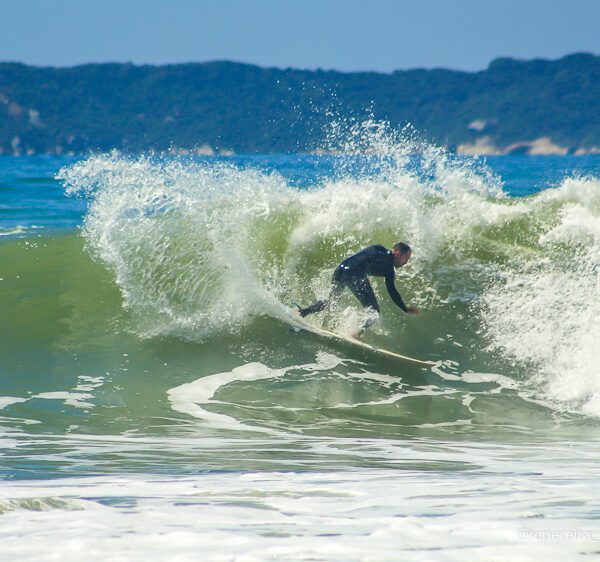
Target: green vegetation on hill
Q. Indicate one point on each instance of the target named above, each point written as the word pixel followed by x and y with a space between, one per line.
pixel 245 108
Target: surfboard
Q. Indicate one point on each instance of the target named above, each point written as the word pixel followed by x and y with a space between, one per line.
pixel 302 324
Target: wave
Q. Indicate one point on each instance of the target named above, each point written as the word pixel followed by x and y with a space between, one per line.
pixel 544 310
pixel 203 246
pixel 212 244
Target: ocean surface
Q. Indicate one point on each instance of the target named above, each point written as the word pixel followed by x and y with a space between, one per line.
pixel 154 404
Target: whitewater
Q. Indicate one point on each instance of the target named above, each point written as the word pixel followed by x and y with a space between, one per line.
pixel 155 405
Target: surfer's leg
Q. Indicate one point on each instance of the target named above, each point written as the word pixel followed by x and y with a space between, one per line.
pixel 316 307
pixel 336 288
pixel 362 290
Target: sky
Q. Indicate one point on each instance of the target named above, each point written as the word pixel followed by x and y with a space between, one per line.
pixel 345 35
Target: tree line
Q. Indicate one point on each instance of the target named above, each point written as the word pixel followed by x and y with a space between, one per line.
pixel 226 106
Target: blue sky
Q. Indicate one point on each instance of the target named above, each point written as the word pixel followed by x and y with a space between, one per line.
pixel 380 35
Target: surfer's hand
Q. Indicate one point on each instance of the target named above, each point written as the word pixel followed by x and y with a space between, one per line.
pixel 411 310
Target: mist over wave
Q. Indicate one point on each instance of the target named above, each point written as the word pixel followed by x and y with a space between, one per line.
pixel 203 246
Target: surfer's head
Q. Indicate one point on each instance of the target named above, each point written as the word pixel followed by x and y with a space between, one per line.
pixel 402 253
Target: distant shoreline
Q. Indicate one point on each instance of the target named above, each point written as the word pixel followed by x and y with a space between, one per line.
pixel 513 107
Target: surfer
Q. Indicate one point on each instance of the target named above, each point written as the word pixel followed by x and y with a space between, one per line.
pixel 375 260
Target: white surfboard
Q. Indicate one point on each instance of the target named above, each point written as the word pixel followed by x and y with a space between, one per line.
pixel 304 325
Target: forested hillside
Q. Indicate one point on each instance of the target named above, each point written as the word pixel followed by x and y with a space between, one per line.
pixel 225 106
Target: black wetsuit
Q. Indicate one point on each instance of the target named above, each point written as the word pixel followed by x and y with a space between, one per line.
pixel 352 273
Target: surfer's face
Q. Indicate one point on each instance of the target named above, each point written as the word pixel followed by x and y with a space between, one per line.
pixel 401 259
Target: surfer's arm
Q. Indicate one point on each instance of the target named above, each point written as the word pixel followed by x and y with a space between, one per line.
pixel 395 295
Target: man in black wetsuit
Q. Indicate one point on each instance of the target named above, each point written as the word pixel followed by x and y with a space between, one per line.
pixel 352 273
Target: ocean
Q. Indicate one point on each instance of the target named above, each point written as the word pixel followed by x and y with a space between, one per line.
pixel 155 405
